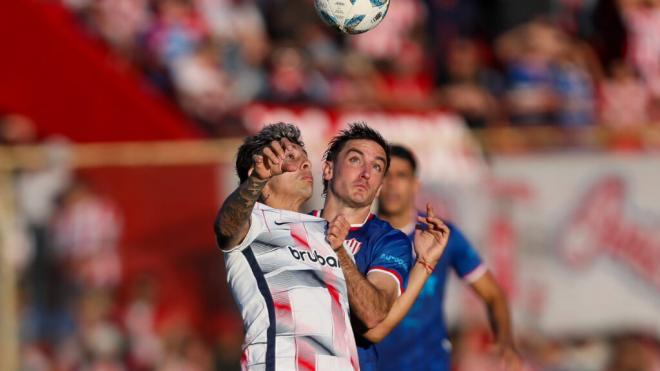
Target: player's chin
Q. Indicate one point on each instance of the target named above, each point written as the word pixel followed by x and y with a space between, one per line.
pixel 306 189
pixel 362 198
pixel 389 207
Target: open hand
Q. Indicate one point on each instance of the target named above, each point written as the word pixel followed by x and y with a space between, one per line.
pixel 276 158
pixel 430 242
pixel 337 232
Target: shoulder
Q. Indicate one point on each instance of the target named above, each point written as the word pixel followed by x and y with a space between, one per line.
pixel 456 236
pixel 384 229
pixel 384 234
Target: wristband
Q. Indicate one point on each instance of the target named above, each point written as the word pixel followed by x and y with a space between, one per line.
pixel 427 266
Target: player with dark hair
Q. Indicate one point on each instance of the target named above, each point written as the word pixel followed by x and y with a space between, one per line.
pixel 285 269
pixel 378 257
pixel 281 265
pixel 423 333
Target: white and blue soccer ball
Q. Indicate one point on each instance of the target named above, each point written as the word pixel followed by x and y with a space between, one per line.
pixel 352 16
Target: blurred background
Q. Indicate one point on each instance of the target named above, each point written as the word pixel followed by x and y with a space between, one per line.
pixel 536 124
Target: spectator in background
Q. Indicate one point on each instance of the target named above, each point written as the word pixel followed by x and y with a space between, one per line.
pixel 16 130
pixel 625 99
pixel 36 191
pixel 357 85
pixel 393 33
pixel 121 23
pixel 324 52
pixel 609 36
pixel 177 30
pixel 86 230
pixel 99 337
pixel 407 84
pixel 642 20
pixel 528 53
pixel 291 80
pixel 238 30
pixel 574 86
pixel 204 88
pixel 468 87
pixel 447 20
pixel 145 349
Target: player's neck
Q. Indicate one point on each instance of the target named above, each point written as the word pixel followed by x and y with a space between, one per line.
pixel 284 203
pixel 334 206
pixel 401 219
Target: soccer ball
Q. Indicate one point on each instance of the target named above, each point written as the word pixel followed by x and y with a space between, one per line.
pixel 352 16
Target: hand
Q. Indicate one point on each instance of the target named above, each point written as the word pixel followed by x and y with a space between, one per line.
pixel 274 160
pixel 511 360
pixel 337 232
pixel 430 243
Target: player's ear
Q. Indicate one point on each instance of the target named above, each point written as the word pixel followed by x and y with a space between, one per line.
pixel 327 170
pixel 250 170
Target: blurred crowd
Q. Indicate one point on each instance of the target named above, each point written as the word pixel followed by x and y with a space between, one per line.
pixel 76 308
pixel 521 63
pixel 568 63
pixel 78 311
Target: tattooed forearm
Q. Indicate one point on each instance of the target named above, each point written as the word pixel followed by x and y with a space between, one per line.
pixel 233 219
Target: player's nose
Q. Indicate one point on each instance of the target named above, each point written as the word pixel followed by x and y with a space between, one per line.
pixel 366 172
pixel 305 164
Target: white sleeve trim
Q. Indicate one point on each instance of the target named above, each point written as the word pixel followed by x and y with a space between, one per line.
pixel 476 273
pixel 394 277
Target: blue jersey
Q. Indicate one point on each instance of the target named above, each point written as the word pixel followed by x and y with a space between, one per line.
pixel 420 341
pixel 377 247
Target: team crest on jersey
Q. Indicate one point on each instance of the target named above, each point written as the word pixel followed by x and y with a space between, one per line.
pixel 353 245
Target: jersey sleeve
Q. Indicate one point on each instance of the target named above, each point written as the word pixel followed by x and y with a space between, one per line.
pixel 392 255
pixel 464 258
pixel 257 226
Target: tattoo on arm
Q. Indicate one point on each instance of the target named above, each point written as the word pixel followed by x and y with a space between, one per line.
pixel 233 219
pixel 367 303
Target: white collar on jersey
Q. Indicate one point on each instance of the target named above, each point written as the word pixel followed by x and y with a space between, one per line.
pixel 317 213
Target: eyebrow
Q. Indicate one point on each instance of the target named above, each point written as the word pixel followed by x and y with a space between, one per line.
pixel 362 153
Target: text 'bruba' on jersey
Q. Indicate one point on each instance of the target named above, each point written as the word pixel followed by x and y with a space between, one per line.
pixel 331 261
pixel 292 295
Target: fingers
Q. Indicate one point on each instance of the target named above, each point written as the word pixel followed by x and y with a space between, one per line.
pixel 270 156
pixel 277 149
pixel 438 225
pixel 433 225
pixel 288 146
pixel 429 210
pixel 337 231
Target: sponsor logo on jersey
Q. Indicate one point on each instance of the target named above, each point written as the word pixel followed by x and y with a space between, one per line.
pixel 314 257
pixel 394 260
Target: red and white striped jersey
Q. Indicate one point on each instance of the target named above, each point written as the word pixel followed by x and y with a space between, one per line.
pixel 291 293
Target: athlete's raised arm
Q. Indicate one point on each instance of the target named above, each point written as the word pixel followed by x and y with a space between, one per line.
pixel 430 243
pixel 233 220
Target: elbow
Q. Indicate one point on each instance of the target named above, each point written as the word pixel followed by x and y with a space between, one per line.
pixel 222 240
pixel 374 336
pixel 374 319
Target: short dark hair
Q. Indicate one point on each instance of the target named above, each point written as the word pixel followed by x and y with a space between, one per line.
pixel 255 143
pixel 355 131
pixel 404 153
